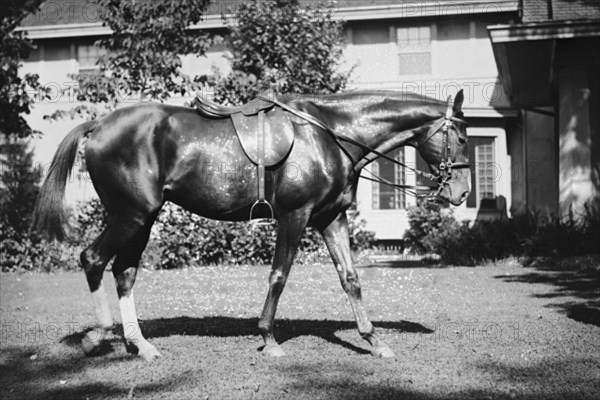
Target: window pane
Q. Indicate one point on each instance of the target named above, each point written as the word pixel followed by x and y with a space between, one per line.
pixel 483 171
pixel 87 56
pixel 424 35
pixel 402 36
pixel 375 186
pixel 414 48
pixel 413 35
pixel 386 197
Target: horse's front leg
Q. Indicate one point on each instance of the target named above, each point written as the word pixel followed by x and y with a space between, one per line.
pixel 338 242
pixel 291 228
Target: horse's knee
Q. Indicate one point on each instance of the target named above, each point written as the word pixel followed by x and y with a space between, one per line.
pixel 351 284
pixel 277 280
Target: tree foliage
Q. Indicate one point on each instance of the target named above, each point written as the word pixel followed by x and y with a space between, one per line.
pixel 141 59
pixel 15 99
pixel 282 44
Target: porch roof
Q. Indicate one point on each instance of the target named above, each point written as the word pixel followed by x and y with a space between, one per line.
pixel 525 56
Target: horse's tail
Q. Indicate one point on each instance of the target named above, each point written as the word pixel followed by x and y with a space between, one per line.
pixel 49 216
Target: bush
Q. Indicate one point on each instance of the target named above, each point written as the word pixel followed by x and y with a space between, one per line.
pixel 25 252
pixel 428 224
pixel 178 239
pixel 360 238
pixel 181 238
pixel 19 250
pixel 529 235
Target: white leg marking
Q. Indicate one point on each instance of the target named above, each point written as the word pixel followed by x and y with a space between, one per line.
pixel 91 340
pixel 101 307
pixel 131 328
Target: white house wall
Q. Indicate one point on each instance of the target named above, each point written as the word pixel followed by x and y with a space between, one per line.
pixel 461 58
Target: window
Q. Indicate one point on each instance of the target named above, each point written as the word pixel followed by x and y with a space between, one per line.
pixel 386 197
pixel 483 171
pixel 414 50
pixel 87 57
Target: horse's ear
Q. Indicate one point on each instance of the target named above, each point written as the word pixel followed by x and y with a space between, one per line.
pixel 458 101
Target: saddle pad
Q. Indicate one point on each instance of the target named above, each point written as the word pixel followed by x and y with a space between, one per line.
pixel 278 131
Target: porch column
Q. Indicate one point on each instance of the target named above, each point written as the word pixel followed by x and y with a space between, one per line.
pixel 578 108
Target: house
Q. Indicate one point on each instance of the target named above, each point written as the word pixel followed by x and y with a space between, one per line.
pixel 549 65
pixel 431 47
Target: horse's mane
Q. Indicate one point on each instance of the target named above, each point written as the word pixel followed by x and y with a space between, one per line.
pixel 396 95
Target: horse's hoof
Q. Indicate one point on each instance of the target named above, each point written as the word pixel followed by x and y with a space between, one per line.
pixel 92 342
pixel 89 345
pixel 149 353
pixel 273 351
pixel 383 352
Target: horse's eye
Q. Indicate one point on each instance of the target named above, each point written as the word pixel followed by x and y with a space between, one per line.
pixel 462 140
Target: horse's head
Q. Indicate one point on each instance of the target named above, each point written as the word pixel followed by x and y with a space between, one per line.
pixel 444 148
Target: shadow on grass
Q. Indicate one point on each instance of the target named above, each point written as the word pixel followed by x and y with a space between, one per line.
pixel 285 329
pixel 67 374
pixel 399 264
pixel 49 377
pixel 21 378
pixel 500 380
pixel 576 284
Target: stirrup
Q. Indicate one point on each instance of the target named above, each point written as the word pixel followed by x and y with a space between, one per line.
pixel 261 221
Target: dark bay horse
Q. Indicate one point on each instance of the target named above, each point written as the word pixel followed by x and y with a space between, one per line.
pixel 141 156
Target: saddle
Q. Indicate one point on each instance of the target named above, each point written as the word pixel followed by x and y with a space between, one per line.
pixel 214 110
pixel 264 130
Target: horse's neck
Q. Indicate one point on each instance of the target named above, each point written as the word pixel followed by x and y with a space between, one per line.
pixel 383 127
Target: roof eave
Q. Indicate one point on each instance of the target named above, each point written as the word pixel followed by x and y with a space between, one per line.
pixel 550 30
pixel 391 11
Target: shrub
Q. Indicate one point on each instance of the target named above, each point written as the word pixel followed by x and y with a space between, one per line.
pixel 90 220
pixel 178 239
pixel 19 250
pixel 181 238
pixel 24 252
pixel 360 238
pixel 529 235
pixel 428 224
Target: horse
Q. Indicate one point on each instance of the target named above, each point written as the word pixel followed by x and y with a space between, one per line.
pixel 140 156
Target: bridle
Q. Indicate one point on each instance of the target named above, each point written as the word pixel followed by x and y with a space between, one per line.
pixel 444 169
pixel 446 164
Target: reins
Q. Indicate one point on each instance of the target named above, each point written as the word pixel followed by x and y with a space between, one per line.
pixel 445 167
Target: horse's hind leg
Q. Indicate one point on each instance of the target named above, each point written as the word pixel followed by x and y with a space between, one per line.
pixel 125 270
pixel 94 260
pixel 338 242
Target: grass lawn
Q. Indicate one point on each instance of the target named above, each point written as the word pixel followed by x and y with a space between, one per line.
pixel 502 331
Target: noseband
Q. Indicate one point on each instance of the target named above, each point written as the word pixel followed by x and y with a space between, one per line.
pixel 444 173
